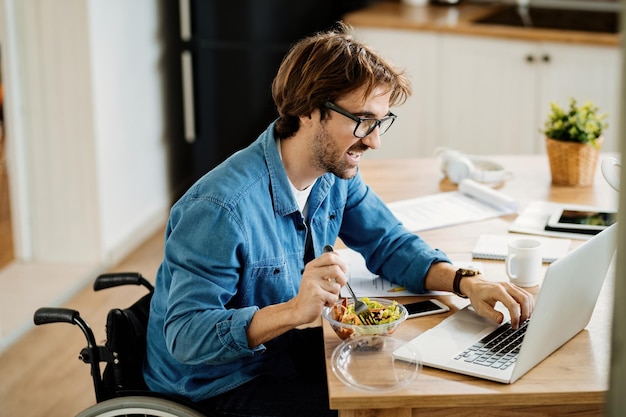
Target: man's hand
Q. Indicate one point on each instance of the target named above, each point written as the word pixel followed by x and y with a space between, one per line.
pixel 320 286
pixel 484 295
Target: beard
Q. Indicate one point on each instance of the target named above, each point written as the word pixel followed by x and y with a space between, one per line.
pixel 328 157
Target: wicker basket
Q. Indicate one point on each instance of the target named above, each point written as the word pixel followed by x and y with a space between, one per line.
pixel 572 163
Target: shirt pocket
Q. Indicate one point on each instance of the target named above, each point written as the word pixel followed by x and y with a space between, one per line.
pixel 270 283
pixel 334 219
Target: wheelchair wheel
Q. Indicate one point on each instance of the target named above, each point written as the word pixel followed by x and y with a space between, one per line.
pixel 139 406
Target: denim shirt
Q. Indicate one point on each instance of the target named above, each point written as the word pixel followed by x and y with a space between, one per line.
pixel 235 243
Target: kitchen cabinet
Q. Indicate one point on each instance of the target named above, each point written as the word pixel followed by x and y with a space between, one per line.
pixel 415 130
pixel 488 95
pixel 585 73
pixel 496 93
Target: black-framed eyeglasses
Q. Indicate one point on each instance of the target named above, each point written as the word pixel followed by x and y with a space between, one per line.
pixel 364 126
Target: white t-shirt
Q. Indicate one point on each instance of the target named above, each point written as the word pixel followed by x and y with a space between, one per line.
pixel 302 196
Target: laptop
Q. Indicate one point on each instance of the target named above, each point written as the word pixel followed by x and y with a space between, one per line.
pixel 563 308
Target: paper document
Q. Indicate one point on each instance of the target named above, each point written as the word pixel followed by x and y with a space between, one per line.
pixel 496 247
pixel 366 284
pixel 472 202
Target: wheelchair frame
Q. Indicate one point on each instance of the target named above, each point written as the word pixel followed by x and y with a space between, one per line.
pixel 116 393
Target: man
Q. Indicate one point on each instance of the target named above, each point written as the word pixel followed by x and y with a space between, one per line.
pixel 243 268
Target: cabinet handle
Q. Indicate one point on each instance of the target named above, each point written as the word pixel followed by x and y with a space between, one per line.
pixel 545 58
pixel 185 19
pixel 188 97
pixel 530 58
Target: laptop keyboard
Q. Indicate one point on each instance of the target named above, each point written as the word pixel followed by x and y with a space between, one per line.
pixel 499 349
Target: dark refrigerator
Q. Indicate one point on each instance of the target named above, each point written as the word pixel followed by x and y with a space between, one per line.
pixel 231 50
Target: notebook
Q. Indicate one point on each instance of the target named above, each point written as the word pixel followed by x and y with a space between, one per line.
pixel 563 308
pixel 490 246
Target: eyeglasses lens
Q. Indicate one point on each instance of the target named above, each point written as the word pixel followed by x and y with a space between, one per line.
pixel 385 124
pixel 367 126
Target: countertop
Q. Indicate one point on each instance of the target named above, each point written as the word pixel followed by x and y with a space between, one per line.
pixel 458 19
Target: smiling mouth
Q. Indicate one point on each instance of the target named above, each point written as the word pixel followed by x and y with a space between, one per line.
pixel 356 152
pixel 355 155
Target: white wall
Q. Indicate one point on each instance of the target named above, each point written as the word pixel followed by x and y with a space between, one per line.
pixel 86 145
pixel 128 114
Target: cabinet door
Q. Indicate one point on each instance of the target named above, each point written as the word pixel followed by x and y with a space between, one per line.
pixel 414 133
pixel 585 73
pixel 487 95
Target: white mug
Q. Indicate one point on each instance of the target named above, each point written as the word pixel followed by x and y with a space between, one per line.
pixel 611 168
pixel 523 262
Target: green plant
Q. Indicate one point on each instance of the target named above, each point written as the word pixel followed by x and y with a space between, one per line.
pixel 580 124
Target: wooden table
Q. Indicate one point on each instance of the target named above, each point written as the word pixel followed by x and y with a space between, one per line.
pixel 572 380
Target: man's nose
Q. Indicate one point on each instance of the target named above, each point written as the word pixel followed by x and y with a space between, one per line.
pixel 373 139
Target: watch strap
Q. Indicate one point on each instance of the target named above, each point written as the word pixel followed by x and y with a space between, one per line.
pixel 460 274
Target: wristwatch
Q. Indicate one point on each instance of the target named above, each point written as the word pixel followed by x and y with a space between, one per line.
pixel 460 274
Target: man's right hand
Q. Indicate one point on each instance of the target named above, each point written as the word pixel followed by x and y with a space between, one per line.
pixel 321 285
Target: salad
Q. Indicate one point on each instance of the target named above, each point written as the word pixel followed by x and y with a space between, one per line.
pixel 382 314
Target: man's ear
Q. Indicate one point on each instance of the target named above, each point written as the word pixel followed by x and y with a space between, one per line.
pixel 309 119
pixel 306 121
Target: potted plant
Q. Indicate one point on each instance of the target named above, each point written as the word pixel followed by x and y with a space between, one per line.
pixel 573 142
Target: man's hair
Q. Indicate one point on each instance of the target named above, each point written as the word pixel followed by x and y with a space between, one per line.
pixel 325 67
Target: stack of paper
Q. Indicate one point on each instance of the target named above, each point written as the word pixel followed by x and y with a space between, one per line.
pixel 473 202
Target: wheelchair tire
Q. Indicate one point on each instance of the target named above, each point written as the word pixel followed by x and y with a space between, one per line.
pixel 139 406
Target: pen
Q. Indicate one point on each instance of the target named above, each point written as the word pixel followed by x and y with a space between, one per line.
pixel 396 289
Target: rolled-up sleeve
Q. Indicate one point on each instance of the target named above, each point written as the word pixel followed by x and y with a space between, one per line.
pixel 390 250
pixel 199 327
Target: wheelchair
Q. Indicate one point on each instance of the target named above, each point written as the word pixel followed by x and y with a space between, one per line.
pixel 120 389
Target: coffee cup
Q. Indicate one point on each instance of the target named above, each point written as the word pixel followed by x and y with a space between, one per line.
pixel 523 262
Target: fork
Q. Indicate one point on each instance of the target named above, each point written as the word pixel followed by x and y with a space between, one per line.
pixel 360 308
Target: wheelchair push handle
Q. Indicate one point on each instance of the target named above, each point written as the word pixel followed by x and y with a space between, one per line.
pixel 45 315
pixel 89 354
pixel 116 279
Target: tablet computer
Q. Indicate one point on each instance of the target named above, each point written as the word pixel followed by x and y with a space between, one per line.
pixel 580 220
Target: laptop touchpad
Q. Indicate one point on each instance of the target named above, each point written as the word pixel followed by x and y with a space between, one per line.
pixel 462 332
pixel 451 336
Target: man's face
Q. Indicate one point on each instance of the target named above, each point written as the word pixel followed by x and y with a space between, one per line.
pixel 335 149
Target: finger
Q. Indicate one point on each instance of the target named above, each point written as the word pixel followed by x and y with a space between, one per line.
pixel 331 285
pixel 333 273
pixel 487 310
pixel 518 301
pixel 526 302
pixel 332 258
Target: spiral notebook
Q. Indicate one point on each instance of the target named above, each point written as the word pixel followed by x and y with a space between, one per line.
pixel 495 247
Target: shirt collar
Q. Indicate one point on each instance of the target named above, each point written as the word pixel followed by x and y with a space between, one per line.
pixel 282 197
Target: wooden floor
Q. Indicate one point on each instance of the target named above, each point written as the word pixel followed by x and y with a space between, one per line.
pixel 40 375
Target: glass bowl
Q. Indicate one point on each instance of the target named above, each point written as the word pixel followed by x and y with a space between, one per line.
pixel 369 363
pixel 346 330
